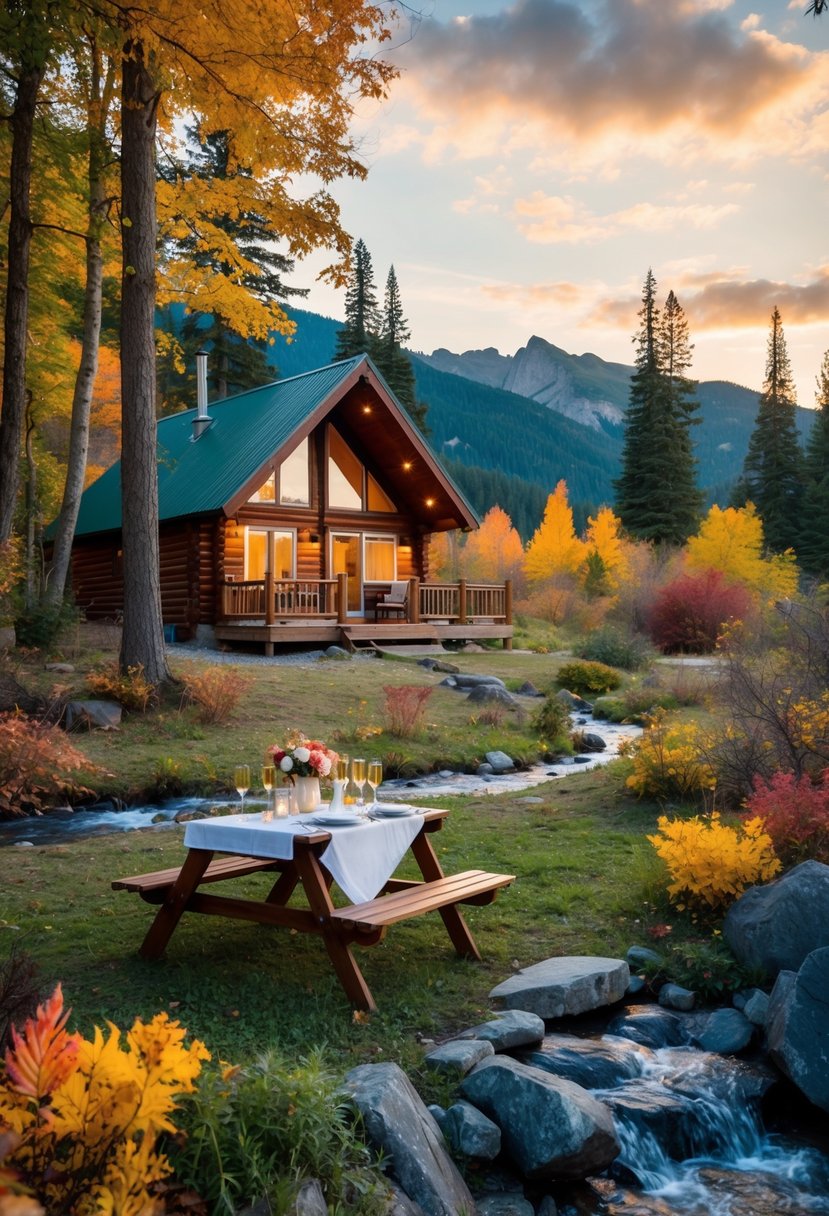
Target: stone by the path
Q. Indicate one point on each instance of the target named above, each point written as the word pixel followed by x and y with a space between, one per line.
pixel 573 702
pixel 643 956
pixel 726 1032
pixel 500 761
pixel 62 668
pixel 550 1127
pixel 652 1027
pixel 466 680
pixel 100 715
pixel 586 1062
pixel 310 1200
pixel 512 1028
pixel 441 665
pixel 336 652
pixel 756 1007
pixel 674 996
pixel 636 986
pixel 397 1122
pixel 651 1108
pixel 774 927
pixel 458 1056
pixel 798 1026
pixel 564 986
pixel 528 689
pixel 492 694
pixel 470 1132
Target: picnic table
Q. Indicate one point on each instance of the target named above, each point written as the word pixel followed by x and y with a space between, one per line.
pixel 309 859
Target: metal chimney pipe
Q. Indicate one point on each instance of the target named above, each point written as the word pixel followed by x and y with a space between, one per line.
pixel 202 419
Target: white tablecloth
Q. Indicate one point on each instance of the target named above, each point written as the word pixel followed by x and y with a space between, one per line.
pixel 360 858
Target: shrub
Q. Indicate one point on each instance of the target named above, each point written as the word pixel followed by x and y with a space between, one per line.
pixel 492 716
pixel 586 678
pixel 86 1115
pixel 668 762
pixel 552 722
pixel 38 627
pixel 131 690
pixel 710 863
pixel 19 994
pixel 689 613
pixel 262 1129
pixel 405 708
pixel 795 813
pixel 705 965
pixel 616 649
pixel 215 690
pixel 36 763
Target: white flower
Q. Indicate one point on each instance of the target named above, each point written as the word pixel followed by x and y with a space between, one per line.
pixel 325 766
pixel 286 764
pixel 302 754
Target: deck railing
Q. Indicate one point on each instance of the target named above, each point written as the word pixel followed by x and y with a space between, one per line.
pixel 273 600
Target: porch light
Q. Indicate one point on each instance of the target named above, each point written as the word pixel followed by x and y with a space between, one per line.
pixel 430 502
pixel 407 466
pixel 366 409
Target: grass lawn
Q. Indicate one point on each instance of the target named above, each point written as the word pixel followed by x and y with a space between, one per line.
pixel 583 866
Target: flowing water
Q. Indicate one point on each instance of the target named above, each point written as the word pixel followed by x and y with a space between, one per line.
pixel 694 1144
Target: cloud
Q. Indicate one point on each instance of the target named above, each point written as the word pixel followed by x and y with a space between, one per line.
pixel 550 219
pixel 641 75
pixel 539 295
pixel 723 303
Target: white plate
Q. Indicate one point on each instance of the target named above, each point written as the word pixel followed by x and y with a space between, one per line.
pixel 338 819
pixel 393 812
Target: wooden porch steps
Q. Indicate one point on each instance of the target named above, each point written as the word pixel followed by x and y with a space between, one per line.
pixel 368 635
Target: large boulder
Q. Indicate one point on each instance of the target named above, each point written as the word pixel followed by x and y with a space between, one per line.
pixel 586 1062
pixel 512 1028
pixel 798 1026
pixel 564 986
pixel 550 1127
pixel 774 927
pixel 399 1124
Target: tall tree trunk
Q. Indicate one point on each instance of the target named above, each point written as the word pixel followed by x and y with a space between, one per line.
pixel 17 292
pixel 142 642
pixel 31 507
pixel 100 93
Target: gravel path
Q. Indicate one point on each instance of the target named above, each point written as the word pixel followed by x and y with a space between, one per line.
pixel 300 658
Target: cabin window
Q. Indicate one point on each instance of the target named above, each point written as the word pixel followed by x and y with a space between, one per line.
pixel 380 559
pixel 257 541
pixel 293 478
pixel 350 487
pixel 266 492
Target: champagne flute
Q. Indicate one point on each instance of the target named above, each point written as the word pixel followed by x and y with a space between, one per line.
pixel 343 766
pixel 358 776
pixel 374 778
pixel 268 782
pixel 241 779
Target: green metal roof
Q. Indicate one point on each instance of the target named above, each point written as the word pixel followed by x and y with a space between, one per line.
pixel 196 478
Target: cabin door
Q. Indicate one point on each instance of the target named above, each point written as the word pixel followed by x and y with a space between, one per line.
pixel 347 558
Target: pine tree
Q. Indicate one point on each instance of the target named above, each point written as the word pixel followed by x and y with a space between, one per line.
pixel 362 316
pixel 813 549
pixel 772 471
pixel 656 494
pixel 392 360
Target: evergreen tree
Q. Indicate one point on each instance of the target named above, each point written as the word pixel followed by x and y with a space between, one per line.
pixel 392 360
pixel 813 549
pixel 238 245
pixel 362 316
pixel 772 470
pixel 656 494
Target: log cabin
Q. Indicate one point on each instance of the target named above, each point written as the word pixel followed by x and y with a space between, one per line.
pixel 292 514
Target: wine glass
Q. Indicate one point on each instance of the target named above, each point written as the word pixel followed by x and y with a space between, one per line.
pixel 268 782
pixel 241 779
pixel 358 776
pixel 374 778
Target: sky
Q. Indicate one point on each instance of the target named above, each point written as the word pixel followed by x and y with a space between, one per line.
pixel 534 159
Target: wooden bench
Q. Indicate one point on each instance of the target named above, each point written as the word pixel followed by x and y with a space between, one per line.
pixel 153 887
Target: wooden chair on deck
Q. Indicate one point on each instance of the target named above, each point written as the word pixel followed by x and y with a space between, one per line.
pixel 393 603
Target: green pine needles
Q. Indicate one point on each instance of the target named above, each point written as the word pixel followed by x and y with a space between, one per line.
pixel 657 497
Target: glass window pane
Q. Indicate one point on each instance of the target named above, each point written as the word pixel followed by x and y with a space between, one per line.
pixel 266 492
pixel 345 474
pixel 378 500
pixel 283 559
pixel 257 550
pixel 293 477
pixel 380 560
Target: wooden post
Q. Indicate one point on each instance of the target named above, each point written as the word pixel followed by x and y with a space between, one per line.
pixel 270 615
pixel 414 601
pixel 462 602
pixel 508 610
pixel 342 599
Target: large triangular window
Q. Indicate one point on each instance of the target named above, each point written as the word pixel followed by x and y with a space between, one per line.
pixel 350 486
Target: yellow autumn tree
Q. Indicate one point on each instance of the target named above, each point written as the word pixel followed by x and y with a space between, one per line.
pixel 494 553
pixel 603 539
pixel 554 549
pixel 731 540
pixel 445 557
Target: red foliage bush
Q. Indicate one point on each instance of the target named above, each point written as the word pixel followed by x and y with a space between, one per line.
pixel 689 613
pixel 795 813
pixel 405 708
pixel 36 765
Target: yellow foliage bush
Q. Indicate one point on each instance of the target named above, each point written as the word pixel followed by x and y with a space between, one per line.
pixel 668 762
pixel 81 1117
pixel 711 863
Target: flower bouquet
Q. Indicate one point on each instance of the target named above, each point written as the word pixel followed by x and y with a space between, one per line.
pixel 302 757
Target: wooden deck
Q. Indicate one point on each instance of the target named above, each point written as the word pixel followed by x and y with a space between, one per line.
pixel 357 633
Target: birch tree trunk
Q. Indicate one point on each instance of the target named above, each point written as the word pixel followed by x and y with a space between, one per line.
pixel 142 642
